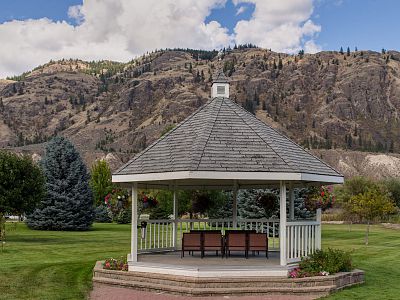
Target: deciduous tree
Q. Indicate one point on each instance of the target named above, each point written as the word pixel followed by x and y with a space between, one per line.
pixel 371 205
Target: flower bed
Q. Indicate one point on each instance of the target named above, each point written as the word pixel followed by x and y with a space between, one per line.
pixel 323 263
pixel 116 264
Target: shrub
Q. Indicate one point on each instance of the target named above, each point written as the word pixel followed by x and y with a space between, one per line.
pixel 120 264
pixel 324 262
pixel 102 214
pixel 393 186
pixel 124 216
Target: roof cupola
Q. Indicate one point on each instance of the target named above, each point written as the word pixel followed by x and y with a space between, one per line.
pixel 220 86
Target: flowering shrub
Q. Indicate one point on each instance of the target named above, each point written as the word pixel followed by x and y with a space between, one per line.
pixel 116 264
pixel 148 201
pixel 320 198
pixel 300 273
pixel 117 200
pixel 323 263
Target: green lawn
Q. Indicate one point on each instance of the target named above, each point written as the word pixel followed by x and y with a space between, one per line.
pixel 58 265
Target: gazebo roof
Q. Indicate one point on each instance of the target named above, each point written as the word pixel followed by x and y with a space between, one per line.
pixel 222 141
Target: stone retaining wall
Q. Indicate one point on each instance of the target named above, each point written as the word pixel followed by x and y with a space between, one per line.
pixel 203 286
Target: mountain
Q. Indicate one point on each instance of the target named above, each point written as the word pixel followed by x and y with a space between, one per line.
pixel 344 107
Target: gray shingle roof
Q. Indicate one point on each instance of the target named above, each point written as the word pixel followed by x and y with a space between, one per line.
pixel 220 78
pixel 222 136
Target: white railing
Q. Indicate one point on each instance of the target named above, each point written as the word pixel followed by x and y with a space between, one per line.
pixel 160 234
pixel 302 239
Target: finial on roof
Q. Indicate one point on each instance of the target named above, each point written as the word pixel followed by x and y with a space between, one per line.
pixel 220 86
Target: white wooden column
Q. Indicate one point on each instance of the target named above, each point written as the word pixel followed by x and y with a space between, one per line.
pixel 282 224
pixel 291 202
pixel 234 205
pixel 175 213
pixel 318 230
pixel 134 233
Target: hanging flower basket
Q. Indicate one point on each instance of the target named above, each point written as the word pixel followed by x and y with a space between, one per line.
pixel 320 198
pixel 117 200
pixel 149 201
pixel 268 201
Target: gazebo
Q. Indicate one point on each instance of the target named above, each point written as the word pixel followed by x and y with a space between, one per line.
pixel 222 146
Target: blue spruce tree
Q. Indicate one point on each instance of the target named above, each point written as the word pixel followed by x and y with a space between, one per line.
pixel 250 208
pixel 68 204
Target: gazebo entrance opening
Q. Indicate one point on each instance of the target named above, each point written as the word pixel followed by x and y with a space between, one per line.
pixel 159 241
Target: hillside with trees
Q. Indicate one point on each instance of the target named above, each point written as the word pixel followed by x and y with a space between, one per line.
pixel 342 105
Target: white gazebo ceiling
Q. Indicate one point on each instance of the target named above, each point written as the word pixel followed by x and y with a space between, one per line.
pixel 219 144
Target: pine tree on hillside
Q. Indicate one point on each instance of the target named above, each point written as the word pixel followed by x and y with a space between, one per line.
pixel 68 204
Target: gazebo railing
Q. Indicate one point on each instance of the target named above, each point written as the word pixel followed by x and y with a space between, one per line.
pixel 302 238
pixel 159 234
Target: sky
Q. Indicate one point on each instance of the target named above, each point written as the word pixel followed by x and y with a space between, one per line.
pixel 32 32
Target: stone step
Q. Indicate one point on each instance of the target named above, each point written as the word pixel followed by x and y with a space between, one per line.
pixel 204 282
pixel 228 289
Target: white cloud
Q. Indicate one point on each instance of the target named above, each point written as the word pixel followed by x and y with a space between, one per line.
pixel 74 12
pixel 311 47
pixel 241 10
pixel 281 25
pixel 121 29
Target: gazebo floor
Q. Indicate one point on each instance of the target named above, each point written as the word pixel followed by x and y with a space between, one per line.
pixel 211 265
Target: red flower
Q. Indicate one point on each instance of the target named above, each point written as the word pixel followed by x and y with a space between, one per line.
pixel 322 193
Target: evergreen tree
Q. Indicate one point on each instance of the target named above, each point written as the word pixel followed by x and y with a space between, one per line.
pixel 264 105
pixel 248 206
pixel 280 64
pixel 349 141
pixel 348 51
pixel 256 98
pixel 68 204
pixel 341 50
pixel 249 106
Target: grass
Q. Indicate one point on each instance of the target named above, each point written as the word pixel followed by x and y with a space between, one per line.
pixel 380 259
pixel 58 265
